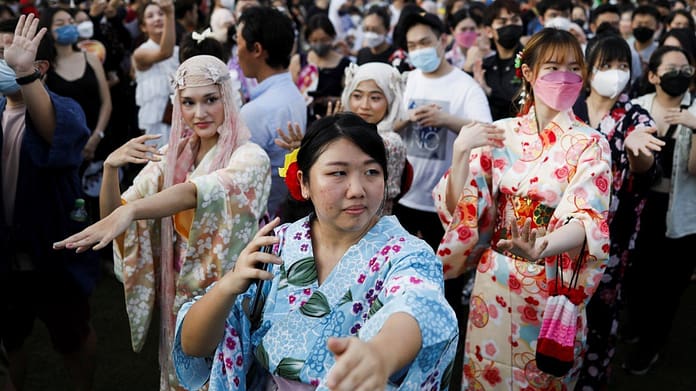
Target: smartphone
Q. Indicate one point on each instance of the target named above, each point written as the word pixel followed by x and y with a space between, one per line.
pixel 257 305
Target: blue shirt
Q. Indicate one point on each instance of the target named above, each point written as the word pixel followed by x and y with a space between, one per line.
pixel 274 102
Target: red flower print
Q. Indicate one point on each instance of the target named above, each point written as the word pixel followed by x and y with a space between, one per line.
pixel 492 311
pixel 491 349
pixel 236 381
pixel 531 300
pixel 499 163
pixel 485 163
pixel 492 375
pixel 529 315
pixel 415 280
pixel 602 183
pixel 445 251
pixel 478 353
pixel 561 173
pixel 240 360
pixel 394 289
pixel 291 299
pixel 464 234
pixel 514 284
pixel 396 248
pixel 229 363
pixel 361 279
pixel 501 301
pixel 385 250
pixel 230 343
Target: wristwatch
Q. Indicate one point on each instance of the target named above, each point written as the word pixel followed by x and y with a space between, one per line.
pixel 29 78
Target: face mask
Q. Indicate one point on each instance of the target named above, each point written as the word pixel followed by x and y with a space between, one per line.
pixel 579 22
pixel 675 83
pixel 611 83
pixel 558 89
pixel 356 20
pixel 85 29
pixel 509 36
pixel 8 84
pixel 321 49
pixel 67 35
pixel 466 39
pixel 372 39
pixel 643 34
pixel 425 59
pixel 229 4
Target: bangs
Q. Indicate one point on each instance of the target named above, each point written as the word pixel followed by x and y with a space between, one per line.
pixel 560 52
pixel 606 51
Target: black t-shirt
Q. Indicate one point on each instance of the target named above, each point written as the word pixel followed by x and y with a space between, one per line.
pixel 500 77
pixel 365 55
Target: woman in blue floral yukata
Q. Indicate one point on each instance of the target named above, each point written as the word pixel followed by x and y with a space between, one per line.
pixel 354 302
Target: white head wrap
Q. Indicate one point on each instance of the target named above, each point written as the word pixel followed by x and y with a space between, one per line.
pixel 388 79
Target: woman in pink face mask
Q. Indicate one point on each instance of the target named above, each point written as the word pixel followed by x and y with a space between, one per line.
pixel 464 28
pixel 521 192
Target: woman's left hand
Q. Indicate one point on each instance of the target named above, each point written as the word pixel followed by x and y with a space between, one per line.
pixel 359 366
pixel 641 140
pixel 680 117
pixel 524 241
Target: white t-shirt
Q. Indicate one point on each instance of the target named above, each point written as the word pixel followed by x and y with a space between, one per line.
pixel 430 148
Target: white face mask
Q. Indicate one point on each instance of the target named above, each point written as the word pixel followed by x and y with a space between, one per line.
pixel 610 83
pixel 373 39
pixel 85 29
pixel 229 4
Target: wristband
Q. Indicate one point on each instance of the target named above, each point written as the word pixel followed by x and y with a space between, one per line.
pixel 28 78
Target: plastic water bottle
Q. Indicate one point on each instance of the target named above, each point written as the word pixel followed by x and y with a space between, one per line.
pixel 79 213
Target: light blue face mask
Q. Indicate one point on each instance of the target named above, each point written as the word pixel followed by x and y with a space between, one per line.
pixel 8 83
pixel 425 59
pixel 67 35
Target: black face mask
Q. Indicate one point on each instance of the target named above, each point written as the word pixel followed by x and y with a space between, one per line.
pixel 643 34
pixel 321 49
pixel 675 83
pixel 579 22
pixel 509 36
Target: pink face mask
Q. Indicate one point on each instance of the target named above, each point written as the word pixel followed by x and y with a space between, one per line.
pixel 465 39
pixel 558 89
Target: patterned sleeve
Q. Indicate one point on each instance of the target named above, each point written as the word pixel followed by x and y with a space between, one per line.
pixel 230 205
pixel 414 286
pixel 226 369
pixel 142 236
pixel 469 228
pixel 586 199
pixel 396 159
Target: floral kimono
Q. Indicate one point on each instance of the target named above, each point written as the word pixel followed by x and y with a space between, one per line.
pixel 208 239
pixel 555 176
pixel 387 271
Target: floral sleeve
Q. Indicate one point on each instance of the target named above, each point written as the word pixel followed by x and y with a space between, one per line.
pixel 468 229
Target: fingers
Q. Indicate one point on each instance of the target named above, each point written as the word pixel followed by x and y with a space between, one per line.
pixel 31 29
pixel 20 24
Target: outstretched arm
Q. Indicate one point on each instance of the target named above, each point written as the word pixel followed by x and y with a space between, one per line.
pixel 165 203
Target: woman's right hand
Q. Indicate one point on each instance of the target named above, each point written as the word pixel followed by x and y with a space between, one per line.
pixel 167 6
pixel 246 269
pixel 479 134
pixel 102 232
pixel 134 151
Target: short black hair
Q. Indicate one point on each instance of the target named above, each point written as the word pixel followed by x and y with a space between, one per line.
pixel 399 33
pixel 189 47
pixel 560 5
pixel 349 126
pixel 493 10
pixel 181 7
pixel 686 38
pixel 647 10
pixel 604 9
pixel 273 30
pixel 382 13
pixel 424 18
pixel 319 21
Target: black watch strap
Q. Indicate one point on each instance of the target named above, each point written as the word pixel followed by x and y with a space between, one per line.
pixel 28 78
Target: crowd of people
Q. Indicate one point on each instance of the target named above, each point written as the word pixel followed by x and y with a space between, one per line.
pixel 350 194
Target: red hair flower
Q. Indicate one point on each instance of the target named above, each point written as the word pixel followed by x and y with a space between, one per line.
pixel 289 172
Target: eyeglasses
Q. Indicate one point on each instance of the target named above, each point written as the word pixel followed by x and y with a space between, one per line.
pixel 686 70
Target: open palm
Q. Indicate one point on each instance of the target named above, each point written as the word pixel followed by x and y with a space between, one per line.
pixel 20 49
